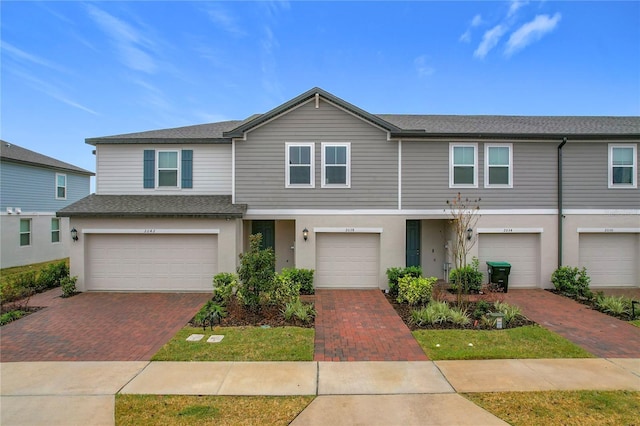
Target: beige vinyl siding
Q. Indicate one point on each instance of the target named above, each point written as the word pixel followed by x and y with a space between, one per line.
pixel 586 179
pixel 425 177
pixel 120 170
pixel 260 162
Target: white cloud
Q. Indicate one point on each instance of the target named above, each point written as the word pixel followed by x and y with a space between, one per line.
pixel 531 31
pixel 423 67
pixel 224 20
pixel 23 56
pixel 489 40
pixel 475 22
pixel 515 5
pixel 131 44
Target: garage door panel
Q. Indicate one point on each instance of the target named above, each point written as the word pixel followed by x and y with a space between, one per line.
pixel 611 259
pixel 522 251
pixel 347 260
pixel 142 262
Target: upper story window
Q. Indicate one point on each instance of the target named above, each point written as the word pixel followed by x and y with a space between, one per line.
pixel 168 169
pixel 300 160
pixel 25 232
pixel 336 165
pixel 463 165
pixel 623 166
pixel 55 230
pixel 498 168
pixel 61 186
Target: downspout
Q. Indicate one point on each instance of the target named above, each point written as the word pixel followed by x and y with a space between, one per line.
pixel 560 215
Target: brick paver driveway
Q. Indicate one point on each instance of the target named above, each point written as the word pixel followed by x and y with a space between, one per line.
pixel 98 326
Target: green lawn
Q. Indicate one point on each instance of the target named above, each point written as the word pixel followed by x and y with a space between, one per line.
pixel 514 343
pixel 32 267
pixel 208 410
pixel 635 322
pixel 584 408
pixel 241 344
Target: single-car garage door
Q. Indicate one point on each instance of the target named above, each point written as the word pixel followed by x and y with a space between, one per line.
pixel 522 251
pixel 347 260
pixel 610 259
pixel 143 262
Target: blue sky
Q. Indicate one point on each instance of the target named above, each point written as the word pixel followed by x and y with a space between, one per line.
pixel 72 70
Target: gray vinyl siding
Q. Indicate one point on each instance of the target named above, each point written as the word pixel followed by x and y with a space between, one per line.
pixel 586 179
pixel 33 189
pixel 120 170
pixel 425 177
pixel 260 162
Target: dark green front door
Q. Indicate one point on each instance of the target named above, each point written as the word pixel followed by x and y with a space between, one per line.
pixel 413 243
pixel 268 230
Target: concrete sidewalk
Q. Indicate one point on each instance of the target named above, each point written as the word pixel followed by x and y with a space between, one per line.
pixel 348 393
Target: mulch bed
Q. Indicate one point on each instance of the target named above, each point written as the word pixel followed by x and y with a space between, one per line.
pixel 404 311
pixel 239 316
pixel 592 305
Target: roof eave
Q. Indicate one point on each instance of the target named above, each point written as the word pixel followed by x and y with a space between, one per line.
pixel 539 136
pixel 46 166
pixel 155 141
pixel 236 215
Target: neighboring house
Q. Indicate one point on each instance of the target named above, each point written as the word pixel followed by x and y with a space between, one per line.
pixel 350 193
pixel 32 188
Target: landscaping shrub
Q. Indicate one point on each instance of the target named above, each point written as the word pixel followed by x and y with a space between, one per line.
pixel 572 282
pixel 510 312
pixel 467 279
pixel 301 311
pixel 256 272
pixel 7 317
pixel 415 291
pixel 18 286
pixel 68 286
pixel 285 289
pixel 617 306
pixel 394 275
pixel 439 312
pixel 209 313
pixel 482 307
pixel 458 316
pixel 51 275
pixel 304 277
pixel 224 285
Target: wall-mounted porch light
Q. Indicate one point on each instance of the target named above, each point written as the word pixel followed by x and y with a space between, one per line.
pixel 74 234
pixel 305 234
pixel 469 234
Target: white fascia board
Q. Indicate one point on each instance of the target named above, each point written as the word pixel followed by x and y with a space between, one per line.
pixel 151 231
pixel 609 212
pixel 349 230
pixel 387 212
pixel 608 230
pixel 510 230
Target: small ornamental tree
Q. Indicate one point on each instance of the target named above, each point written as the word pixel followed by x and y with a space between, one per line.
pixel 256 272
pixel 464 214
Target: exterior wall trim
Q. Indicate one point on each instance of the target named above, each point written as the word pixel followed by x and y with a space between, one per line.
pixel 510 230
pixel 610 212
pixel 608 231
pixel 149 231
pixel 434 212
pixel 348 230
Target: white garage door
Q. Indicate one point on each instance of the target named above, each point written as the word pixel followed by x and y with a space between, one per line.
pixel 610 259
pixel 347 260
pixel 522 251
pixel 143 262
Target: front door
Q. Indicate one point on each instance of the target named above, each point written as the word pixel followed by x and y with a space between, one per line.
pixel 413 243
pixel 268 230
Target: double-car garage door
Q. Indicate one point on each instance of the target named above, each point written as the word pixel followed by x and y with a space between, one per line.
pixel 347 260
pixel 151 262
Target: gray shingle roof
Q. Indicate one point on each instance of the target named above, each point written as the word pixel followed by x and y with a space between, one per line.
pixel 518 125
pixel 214 206
pixel 12 152
pixel 404 125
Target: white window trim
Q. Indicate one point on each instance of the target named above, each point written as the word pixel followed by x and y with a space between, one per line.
pixel 475 165
pixel 20 233
pixel 312 171
pixel 178 169
pixel 59 231
pixel 634 173
pixel 65 186
pixel 347 184
pixel 487 166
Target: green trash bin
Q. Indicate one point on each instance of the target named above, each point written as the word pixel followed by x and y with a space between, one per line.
pixel 499 274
